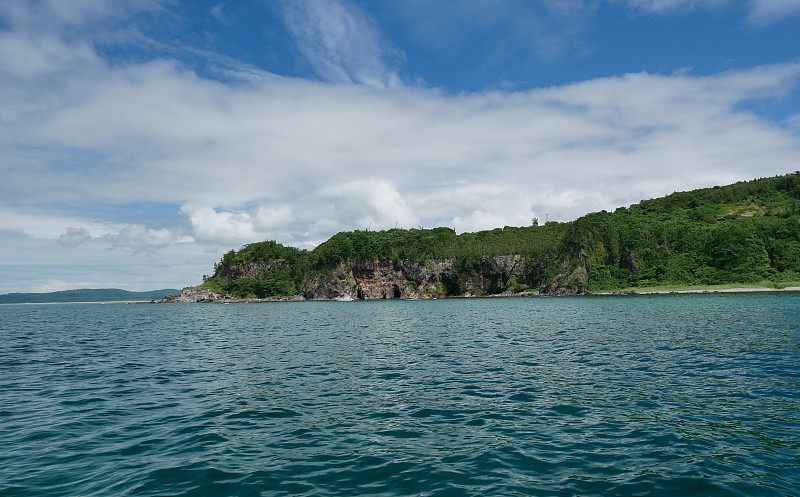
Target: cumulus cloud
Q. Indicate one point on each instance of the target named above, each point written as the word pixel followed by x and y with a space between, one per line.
pixel 366 204
pixel 140 238
pixel 73 237
pixel 220 226
pixel 209 225
pixel 268 219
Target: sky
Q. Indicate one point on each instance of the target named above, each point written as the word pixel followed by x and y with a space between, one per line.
pixel 142 139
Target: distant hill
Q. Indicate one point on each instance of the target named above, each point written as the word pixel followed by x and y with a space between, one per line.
pixel 745 233
pixel 85 295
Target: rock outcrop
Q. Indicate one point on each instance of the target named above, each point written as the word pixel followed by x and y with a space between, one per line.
pixel 386 279
pixel 336 284
pixel 571 280
pixel 413 280
pixel 195 294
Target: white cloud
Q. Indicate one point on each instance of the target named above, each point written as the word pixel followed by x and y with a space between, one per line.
pixel 340 42
pixel 761 11
pixel 218 13
pixel 52 226
pixel 366 204
pixel 769 10
pixel 71 232
pixel 268 219
pixel 661 6
pixel 39 265
pixel 345 157
pixel 498 36
pixel 226 227
pixel 793 123
pixel 36 57
pixel 209 225
pixel 47 13
pixel 140 238
pixel 73 237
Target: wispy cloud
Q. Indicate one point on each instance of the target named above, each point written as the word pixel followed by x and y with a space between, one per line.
pixel 498 35
pixel 770 10
pixel 662 6
pixel 73 18
pixel 793 123
pixel 761 11
pixel 340 42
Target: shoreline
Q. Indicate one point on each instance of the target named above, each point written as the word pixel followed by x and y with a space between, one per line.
pixel 700 290
pixel 197 295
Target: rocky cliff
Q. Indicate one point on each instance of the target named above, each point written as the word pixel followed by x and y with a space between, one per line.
pixel 412 280
pixel 192 294
pixel 196 294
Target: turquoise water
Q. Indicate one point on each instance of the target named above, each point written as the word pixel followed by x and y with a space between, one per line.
pixel 643 395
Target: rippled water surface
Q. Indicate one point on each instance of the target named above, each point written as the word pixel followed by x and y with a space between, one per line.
pixel 647 395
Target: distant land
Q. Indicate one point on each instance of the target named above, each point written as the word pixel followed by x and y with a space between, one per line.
pixel 744 234
pixel 84 295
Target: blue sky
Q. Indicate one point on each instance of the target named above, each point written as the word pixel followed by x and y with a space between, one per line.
pixel 142 139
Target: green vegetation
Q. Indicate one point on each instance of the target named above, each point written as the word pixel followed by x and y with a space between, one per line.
pixel 85 295
pixel 268 269
pixel 745 233
pixel 421 245
pixel 263 269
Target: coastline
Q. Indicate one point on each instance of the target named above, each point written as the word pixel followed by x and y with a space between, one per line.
pixel 699 290
pixel 200 295
pixel 152 301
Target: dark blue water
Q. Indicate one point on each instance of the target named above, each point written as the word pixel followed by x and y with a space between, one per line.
pixel 647 395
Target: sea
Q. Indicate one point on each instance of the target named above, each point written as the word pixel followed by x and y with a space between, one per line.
pixel 638 395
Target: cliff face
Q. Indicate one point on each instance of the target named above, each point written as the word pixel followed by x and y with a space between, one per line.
pixel 572 280
pixel 386 279
pixel 408 280
pixel 192 294
pixel 197 295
